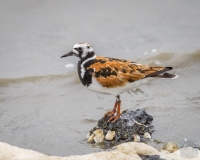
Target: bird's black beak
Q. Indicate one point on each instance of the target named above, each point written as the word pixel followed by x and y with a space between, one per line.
pixel 71 53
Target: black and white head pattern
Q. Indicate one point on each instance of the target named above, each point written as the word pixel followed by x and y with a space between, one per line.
pixel 83 50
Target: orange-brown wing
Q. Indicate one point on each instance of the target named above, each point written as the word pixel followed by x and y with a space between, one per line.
pixel 150 71
pixel 111 72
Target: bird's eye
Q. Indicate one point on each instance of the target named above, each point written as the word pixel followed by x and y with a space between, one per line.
pixel 88 47
pixel 79 48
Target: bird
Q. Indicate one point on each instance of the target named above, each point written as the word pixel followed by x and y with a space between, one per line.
pixel 112 76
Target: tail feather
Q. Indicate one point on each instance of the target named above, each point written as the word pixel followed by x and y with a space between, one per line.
pixel 163 73
pixel 168 68
pixel 160 72
pixel 167 75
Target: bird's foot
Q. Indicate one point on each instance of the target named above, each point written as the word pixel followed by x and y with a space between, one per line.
pixel 112 118
pixel 109 114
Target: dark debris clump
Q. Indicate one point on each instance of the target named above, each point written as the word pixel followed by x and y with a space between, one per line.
pixel 150 157
pixel 130 123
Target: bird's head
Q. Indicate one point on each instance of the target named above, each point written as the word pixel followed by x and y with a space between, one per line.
pixel 82 50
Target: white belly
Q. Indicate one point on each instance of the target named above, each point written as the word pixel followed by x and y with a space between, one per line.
pixel 97 87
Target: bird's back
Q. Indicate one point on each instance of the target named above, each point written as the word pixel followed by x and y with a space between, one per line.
pixel 111 72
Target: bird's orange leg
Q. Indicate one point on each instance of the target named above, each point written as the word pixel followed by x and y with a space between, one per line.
pixel 111 113
pixel 115 118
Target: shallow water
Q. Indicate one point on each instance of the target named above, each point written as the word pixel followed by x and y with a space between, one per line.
pixel 43 105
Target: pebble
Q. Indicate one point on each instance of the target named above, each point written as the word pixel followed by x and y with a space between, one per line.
pixel 110 135
pixel 147 135
pixel 170 147
pixel 98 136
pixel 91 138
pixel 136 138
pixel 88 135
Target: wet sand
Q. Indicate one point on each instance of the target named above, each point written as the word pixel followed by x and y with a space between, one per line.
pixel 43 105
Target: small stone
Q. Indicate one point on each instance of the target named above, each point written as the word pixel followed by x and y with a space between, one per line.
pixel 170 146
pixel 136 138
pixel 91 138
pixel 88 135
pixel 98 136
pixel 147 135
pixel 110 135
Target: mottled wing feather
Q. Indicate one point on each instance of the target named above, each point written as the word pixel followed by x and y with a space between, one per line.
pixel 111 72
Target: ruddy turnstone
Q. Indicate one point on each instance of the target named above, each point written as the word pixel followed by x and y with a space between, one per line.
pixel 111 75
